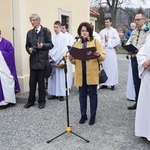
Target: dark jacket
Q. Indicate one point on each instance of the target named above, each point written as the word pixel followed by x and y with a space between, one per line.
pixel 39 58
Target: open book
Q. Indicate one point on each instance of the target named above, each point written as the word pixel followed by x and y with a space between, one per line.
pixel 130 48
pixel 83 54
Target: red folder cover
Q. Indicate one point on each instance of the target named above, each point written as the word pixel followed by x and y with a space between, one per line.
pixel 83 54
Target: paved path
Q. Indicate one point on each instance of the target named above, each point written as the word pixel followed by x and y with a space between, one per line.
pixel 29 129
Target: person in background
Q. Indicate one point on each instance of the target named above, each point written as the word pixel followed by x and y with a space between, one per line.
pixel 110 39
pixel 87 72
pixel 137 39
pixel 142 119
pixel 56 83
pixel 9 84
pixel 38 44
pixel 70 42
pixel 132 27
pixel 130 92
pixel 64 29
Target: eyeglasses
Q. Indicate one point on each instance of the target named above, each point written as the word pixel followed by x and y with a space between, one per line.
pixel 138 19
pixel 33 20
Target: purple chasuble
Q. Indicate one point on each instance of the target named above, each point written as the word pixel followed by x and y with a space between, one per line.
pixel 7 51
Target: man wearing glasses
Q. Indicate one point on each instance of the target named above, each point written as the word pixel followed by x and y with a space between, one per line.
pixel 137 38
pixel 38 44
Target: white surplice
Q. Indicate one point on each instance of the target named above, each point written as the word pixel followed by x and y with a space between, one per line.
pixel 8 83
pixel 130 93
pixel 70 42
pixel 110 64
pixel 56 83
pixel 142 119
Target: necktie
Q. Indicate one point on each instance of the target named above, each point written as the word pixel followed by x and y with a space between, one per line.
pixel 36 31
pixel 137 39
pixel 84 44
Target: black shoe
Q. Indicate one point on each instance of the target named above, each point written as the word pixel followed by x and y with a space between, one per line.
pixel 144 138
pixel 4 106
pixel 61 98
pixel 132 107
pixel 41 106
pixel 83 119
pixel 28 105
pixel 131 100
pixel 92 120
pixel 103 87
pixel 53 97
pixel 113 87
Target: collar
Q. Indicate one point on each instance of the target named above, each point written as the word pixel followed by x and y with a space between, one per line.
pixel 85 40
pixel 0 39
pixel 38 29
pixel 109 28
pixel 142 28
pixel 59 33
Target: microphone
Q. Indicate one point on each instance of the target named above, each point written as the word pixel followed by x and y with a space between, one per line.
pixel 78 37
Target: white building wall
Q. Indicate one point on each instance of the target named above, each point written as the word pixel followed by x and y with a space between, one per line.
pixel 15 13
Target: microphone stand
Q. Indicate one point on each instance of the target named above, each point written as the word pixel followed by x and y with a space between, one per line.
pixel 68 128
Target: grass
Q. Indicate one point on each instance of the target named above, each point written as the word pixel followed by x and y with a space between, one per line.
pixel 120 50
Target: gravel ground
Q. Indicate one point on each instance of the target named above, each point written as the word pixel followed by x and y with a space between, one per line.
pixel 30 129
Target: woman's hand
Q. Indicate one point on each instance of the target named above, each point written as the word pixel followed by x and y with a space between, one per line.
pixel 97 54
pixel 70 57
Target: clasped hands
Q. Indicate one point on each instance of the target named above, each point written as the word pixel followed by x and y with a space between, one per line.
pixel 106 38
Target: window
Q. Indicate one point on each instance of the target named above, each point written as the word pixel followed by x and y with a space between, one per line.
pixel 66 17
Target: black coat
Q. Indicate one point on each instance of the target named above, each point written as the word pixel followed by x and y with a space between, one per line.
pixel 39 58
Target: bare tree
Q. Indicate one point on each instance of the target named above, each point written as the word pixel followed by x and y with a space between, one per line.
pixel 113 6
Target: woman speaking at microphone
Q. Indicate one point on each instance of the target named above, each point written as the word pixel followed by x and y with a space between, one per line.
pixel 87 72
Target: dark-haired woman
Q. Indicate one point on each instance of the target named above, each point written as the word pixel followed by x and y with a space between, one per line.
pixel 87 72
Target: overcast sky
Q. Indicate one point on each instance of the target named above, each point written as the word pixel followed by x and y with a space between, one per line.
pixel 138 3
pixel 134 3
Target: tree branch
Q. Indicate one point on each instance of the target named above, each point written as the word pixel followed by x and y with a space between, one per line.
pixel 108 3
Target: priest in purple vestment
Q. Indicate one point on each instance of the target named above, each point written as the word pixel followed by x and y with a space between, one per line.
pixel 9 84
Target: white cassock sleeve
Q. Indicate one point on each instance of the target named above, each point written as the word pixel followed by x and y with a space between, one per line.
pixel 143 55
pixel 114 40
pixel 59 49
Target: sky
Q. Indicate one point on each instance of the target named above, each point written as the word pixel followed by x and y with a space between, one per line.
pixel 138 3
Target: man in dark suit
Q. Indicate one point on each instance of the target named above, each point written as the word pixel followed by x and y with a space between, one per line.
pixel 38 44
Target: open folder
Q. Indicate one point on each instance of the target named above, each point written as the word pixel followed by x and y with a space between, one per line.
pixel 83 54
pixel 130 48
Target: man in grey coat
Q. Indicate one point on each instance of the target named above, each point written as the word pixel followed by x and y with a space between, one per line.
pixel 38 44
